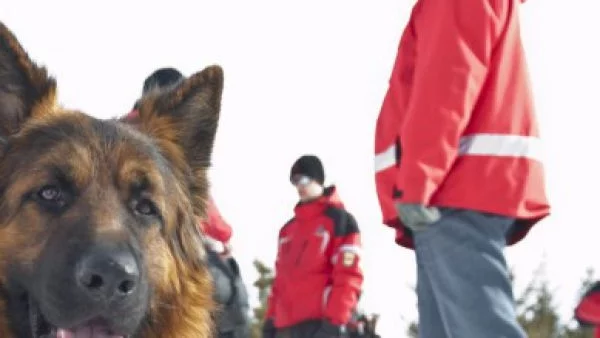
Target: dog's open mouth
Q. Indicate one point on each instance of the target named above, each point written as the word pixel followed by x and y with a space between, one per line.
pixel 41 328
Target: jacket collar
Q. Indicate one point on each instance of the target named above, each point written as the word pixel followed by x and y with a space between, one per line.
pixel 330 198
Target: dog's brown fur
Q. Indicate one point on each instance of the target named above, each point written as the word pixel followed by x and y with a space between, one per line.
pixel 166 149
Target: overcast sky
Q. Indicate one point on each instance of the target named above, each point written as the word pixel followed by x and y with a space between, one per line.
pixel 309 77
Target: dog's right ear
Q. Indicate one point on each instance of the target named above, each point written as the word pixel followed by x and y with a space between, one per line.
pixel 26 90
pixel 183 120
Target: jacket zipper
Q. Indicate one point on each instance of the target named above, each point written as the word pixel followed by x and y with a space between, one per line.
pixel 298 259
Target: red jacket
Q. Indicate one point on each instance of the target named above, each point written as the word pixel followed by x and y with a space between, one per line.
pixel 317 272
pixel 457 126
pixel 215 226
pixel 587 311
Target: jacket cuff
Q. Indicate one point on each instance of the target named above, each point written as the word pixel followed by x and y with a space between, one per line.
pixel 414 190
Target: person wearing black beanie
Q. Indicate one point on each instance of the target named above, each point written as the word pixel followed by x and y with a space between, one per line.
pixel 321 248
pixel 308 170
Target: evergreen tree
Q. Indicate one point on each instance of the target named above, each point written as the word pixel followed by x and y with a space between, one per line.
pixel 263 284
pixel 539 318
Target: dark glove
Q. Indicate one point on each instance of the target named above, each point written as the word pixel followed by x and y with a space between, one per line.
pixel 328 330
pixel 268 330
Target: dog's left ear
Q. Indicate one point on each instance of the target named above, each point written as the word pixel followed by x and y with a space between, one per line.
pixel 183 120
pixel 25 88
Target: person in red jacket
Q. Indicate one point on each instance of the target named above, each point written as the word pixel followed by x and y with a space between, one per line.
pixel 458 162
pixel 587 311
pixel 317 272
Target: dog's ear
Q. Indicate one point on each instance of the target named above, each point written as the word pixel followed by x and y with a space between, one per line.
pixel 26 89
pixel 183 120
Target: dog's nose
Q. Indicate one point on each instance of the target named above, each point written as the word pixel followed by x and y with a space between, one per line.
pixel 106 275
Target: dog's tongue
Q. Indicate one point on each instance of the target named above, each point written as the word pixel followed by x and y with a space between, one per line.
pixel 85 332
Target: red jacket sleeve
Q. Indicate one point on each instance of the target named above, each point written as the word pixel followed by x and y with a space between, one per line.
pixel 454 43
pixel 347 276
pixel 215 226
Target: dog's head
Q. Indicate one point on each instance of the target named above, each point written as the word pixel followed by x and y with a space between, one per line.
pixel 98 233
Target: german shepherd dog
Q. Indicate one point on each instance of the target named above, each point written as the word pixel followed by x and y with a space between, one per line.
pixel 98 234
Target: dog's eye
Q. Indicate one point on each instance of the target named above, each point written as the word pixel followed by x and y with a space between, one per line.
pixel 52 198
pixel 50 193
pixel 146 208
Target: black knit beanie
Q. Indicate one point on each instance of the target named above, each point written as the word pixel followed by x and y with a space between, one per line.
pixel 161 78
pixel 310 166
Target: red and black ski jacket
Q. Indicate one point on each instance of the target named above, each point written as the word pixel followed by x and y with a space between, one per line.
pixel 317 271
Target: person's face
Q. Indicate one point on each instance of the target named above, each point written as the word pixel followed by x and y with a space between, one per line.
pixel 307 188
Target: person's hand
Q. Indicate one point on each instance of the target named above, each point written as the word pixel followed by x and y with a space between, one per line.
pixel 417 216
pixel 268 330
pixel 227 248
pixel 328 330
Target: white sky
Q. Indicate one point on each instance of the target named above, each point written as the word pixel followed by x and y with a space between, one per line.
pixel 309 77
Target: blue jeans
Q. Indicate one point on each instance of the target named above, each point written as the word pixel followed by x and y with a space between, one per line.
pixel 463 284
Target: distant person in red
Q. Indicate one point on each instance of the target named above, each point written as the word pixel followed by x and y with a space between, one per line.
pixel 318 277
pixel 587 311
pixel 459 162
